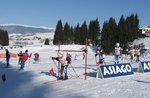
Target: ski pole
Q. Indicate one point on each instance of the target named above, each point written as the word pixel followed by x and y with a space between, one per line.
pixel 55 64
pixel 29 61
pixel 74 70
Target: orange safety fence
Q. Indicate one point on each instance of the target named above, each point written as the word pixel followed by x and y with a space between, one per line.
pixel 12 55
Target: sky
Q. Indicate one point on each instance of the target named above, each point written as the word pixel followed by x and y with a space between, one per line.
pixel 48 12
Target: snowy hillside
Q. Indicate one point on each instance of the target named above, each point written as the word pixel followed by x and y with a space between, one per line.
pixel 36 82
pixel 19 28
pixel 145 41
pixel 30 38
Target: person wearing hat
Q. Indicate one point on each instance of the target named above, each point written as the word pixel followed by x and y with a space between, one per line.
pixel 24 58
pixel 64 64
pixel 117 53
pixel 7 58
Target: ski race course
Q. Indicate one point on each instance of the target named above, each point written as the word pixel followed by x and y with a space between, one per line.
pixel 34 81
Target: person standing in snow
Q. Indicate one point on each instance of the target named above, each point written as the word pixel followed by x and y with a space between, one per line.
pixel 64 64
pixel 68 58
pixel 117 53
pixel 100 54
pixel 137 53
pixel 19 54
pixel 7 58
pixel 24 58
pixel 36 57
pixel 126 54
pixel 132 54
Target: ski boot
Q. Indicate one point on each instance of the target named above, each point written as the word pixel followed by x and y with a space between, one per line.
pixel 66 77
pixel 60 78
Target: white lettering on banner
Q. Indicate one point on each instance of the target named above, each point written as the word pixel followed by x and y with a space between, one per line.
pixel 106 71
pixel 113 67
pixel 111 70
pixel 148 64
pixel 123 69
pixel 116 69
pixel 128 67
pixel 146 67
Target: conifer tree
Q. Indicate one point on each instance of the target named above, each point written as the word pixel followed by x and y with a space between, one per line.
pixel 58 36
pixel 94 31
pixel 46 41
pixel 77 35
pixel 83 34
pixel 66 34
pixel 4 39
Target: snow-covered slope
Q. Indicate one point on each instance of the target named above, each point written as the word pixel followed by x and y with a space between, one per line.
pixel 145 41
pixel 36 82
pixel 19 28
pixel 30 39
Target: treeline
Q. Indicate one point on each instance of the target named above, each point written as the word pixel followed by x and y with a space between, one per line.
pixel 123 32
pixel 76 35
pixel 4 39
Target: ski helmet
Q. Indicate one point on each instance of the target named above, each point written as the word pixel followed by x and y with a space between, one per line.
pixel 60 55
pixel 117 44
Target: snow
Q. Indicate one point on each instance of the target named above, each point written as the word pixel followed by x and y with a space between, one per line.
pixel 145 40
pixel 44 27
pixel 35 81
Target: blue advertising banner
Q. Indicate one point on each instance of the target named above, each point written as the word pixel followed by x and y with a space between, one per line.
pixel 116 70
pixel 145 66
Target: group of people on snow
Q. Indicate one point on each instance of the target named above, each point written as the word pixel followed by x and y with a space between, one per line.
pixel 64 62
pixel 133 52
pixel 23 57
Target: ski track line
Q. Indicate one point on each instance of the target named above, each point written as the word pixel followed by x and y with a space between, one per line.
pixel 75 91
pixel 71 88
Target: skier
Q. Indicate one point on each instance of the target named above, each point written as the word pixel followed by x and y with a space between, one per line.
pixel 68 58
pixel 36 57
pixel 64 64
pixel 19 54
pixel 24 58
pixel 137 53
pixel 126 54
pixel 83 56
pixel 117 53
pixel 100 54
pixel 7 58
pixel 132 54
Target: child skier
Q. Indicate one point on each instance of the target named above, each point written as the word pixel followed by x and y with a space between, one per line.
pixel 36 57
pixel 24 58
pixel 7 58
pixel 64 64
pixel 19 54
pixel 117 53
pixel 100 54
pixel 137 53
pixel 132 54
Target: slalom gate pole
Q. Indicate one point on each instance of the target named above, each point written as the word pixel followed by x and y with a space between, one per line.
pixel 74 70
pixel 29 61
pixel 55 64
pixel 57 56
pixel 86 41
pixel 85 51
